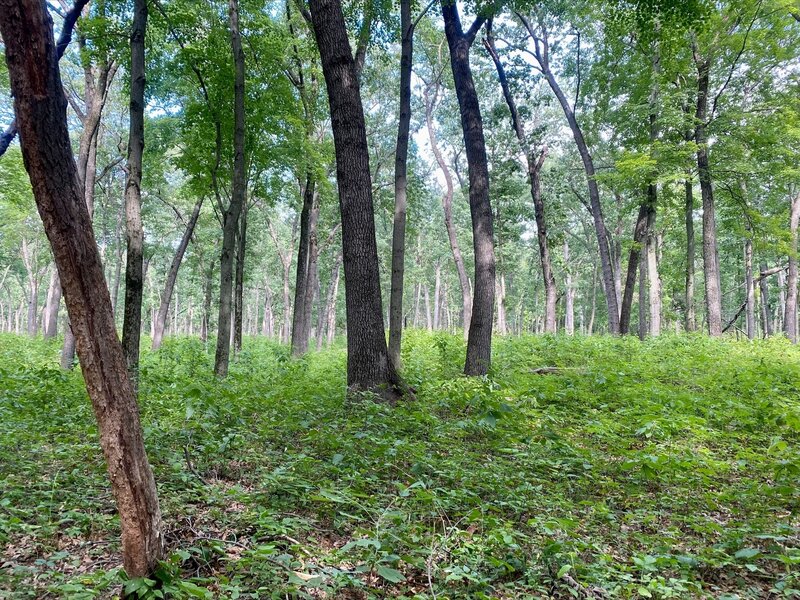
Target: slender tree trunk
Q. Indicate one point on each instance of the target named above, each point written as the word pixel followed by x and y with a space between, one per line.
pixel 543 58
pixel 780 312
pixel 134 233
pixel 207 291
pixel 437 294
pixel 750 301
pixel 642 296
pixel 368 363
pixel 690 322
pixel 401 185
pixel 569 295
pixel 639 240
pixel 428 315
pixel 766 309
pixel 502 326
pixel 653 279
pixel 590 326
pixel 330 304
pixel 790 318
pixel 479 340
pixel 238 304
pixel 172 276
pixel 50 324
pixel 534 167
pixel 268 325
pixel 710 253
pixel 40 108
pixel 300 325
pixel 239 186
pixel 447 207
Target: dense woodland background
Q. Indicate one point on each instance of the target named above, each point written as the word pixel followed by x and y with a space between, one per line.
pixel 256 182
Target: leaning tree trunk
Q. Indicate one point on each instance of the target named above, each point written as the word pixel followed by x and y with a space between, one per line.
pixel 479 340
pixel 231 216
pixel 172 277
pixel 40 108
pixel 543 58
pixel 400 186
pixel 639 237
pixel 534 166
pixel 710 253
pixel 368 364
pixel 134 276
pixel 790 316
pixel 447 207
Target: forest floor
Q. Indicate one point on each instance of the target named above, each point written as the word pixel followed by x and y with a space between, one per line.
pixel 663 469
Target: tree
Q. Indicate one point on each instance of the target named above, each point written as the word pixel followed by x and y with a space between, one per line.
pixel 134 233
pixel 479 340
pixel 40 108
pixel 368 364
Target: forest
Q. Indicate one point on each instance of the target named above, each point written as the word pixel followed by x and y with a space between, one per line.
pixel 429 300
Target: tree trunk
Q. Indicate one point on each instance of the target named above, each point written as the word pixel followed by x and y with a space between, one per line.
pixel 437 291
pixel 543 58
pixel 134 280
pixel 653 279
pixel 172 276
pixel 690 322
pixel 330 304
pixel 642 296
pixel 569 294
pixel 766 309
pixel 40 108
pixel 300 324
pixel 50 324
pixel 239 187
pixel 238 304
pixel 368 364
pixel 479 340
pixel 400 186
pixel 447 207
pixel 639 237
pixel 207 290
pixel 534 167
pixel 750 298
pixel 710 253
pixel 790 318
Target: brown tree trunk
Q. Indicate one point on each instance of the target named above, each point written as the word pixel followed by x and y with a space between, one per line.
pixel 766 309
pixel 330 304
pixel 750 292
pixel 690 322
pixel 301 320
pixel 172 276
pixel 447 207
pixel 239 187
pixel 479 340
pixel 542 53
pixel 710 253
pixel 368 364
pixel 534 167
pixel 238 294
pixel 40 109
pixel 134 276
pixel 639 237
pixel 401 185
pixel 790 318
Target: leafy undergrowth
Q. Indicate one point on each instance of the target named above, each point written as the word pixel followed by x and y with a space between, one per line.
pixel 664 469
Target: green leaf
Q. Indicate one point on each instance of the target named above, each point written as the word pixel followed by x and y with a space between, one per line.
pixel 563 571
pixel 747 553
pixel 390 574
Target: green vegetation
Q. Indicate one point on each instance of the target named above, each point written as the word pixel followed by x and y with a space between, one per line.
pixel 660 469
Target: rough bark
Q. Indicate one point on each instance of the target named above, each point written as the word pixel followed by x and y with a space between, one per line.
pixel 639 236
pixel 239 191
pixel 134 232
pixel 431 93
pixel 710 253
pixel 368 364
pixel 479 340
pixel 40 109
pixel 401 186
pixel 50 325
pixel 300 324
pixel 534 168
pixel 790 316
pixel 238 294
pixel 172 276
pixel 766 308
